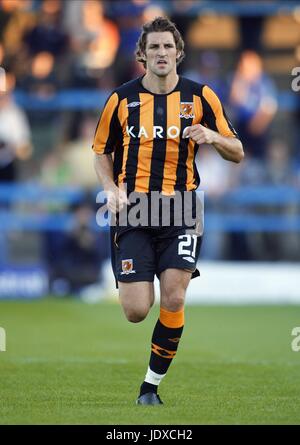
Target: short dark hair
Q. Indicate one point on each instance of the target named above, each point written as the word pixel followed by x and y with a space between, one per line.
pixel 159 24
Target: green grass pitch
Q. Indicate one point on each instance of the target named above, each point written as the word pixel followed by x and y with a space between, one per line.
pixel 71 363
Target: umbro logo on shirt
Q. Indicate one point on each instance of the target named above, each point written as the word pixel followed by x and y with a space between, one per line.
pixel 134 104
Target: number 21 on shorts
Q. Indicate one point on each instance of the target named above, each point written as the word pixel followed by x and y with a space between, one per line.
pixel 187 247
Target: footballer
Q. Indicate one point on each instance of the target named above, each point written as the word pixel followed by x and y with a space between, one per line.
pixel 145 143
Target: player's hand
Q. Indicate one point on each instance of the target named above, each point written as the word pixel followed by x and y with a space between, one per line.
pixel 116 199
pixel 200 134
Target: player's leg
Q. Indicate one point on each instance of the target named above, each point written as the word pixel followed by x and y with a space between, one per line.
pixel 173 286
pixel 168 329
pixel 134 271
pixel 177 259
pixel 136 299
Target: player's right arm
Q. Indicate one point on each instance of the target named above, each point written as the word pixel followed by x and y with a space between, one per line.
pixel 105 142
pixel 116 197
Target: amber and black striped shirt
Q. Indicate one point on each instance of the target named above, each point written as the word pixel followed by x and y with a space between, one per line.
pixel 144 131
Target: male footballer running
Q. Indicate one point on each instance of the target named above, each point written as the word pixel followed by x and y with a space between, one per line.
pixel 145 143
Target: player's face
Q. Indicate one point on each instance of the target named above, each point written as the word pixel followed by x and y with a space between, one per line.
pixel 161 53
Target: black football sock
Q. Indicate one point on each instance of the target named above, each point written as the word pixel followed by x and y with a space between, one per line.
pixel 165 340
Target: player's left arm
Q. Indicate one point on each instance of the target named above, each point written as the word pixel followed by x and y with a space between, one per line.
pixel 230 148
pixel 217 129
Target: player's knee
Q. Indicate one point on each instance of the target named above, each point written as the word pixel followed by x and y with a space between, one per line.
pixel 174 301
pixel 135 315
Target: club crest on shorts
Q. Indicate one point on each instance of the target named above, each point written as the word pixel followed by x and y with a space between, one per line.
pixel 187 110
pixel 127 267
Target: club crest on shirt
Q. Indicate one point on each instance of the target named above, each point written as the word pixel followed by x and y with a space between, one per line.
pixel 187 110
pixel 127 267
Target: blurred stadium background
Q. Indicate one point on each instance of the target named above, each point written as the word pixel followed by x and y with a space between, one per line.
pixel 61 60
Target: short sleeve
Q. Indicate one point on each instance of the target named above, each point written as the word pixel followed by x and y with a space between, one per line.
pixel 214 116
pixel 106 133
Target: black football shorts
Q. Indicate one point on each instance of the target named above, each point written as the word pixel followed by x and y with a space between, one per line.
pixel 141 253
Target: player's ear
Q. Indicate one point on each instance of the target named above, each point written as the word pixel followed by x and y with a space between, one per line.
pixel 143 57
